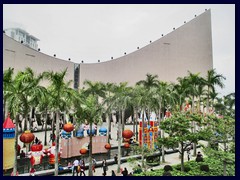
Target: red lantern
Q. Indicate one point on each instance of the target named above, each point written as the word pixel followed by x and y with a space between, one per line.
pixel 68 127
pixel 126 140
pixel 27 137
pixel 36 147
pixel 127 145
pixel 83 151
pixel 107 146
pixel 127 134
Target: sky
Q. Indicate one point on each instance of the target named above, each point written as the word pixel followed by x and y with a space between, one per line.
pixel 92 32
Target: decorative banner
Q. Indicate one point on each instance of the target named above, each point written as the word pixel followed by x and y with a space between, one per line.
pixel 150 134
pixel 70 147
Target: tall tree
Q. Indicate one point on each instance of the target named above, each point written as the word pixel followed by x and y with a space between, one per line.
pixel 178 128
pixel 92 112
pixel 212 79
pixel 19 92
pixel 61 95
pixel 119 101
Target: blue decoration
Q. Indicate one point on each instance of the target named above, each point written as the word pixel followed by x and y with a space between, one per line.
pixel 80 133
pixel 102 131
pixel 8 133
pixel 66 135
pixel 93 131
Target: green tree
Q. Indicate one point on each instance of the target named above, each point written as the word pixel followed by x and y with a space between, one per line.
pixel 92 112
pixel 210 81
pixel 61 96
pixel 119 101
pixel 178 127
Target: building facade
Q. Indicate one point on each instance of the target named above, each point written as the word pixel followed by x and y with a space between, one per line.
pixel 187 48
pixel 22 36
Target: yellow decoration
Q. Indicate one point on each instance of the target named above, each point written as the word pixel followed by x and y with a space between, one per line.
pixel 8 153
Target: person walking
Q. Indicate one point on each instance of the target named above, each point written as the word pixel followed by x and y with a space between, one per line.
pixel 94 163
pixel 125 172
pixel 105 167
pixel 189 154
pixel 75 166
pixel 82 168
pixel 113 173
pixel 116 158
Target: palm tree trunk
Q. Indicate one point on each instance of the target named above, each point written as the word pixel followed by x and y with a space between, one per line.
pixel 182 158
pixel 142 139
pixel 53 123
pixel 123 120
pixel 163 151
pixel 134 122
pixel 57 143
pixel 119 142
pixel 16 145
pixel 90 173
pixel 137 124
pixel 224 168
pixel 30 119
pixel 109 126
pixel 45 130
pixel 208 92
pixel 194 130
pixel 25 121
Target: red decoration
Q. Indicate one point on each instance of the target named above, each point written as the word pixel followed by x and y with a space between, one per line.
pixel 8 123
pixel 27 137
pixel 68 127
pixel 83 151
pixel 18 149
pixel 107 146
pixel 36 147
pixel 127 134
pixel 126 140
pixel 127 145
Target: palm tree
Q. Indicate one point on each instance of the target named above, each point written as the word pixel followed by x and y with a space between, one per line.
pixel 61 94
pixel 91 111
pixel 44 106
pixel 200 92
pixel 162 95
pixel 11 95
pixel 18 92
pixel 119 101
pixel 194 81
pixel 109 92
pixel 142 100
pixel 210 81
pixel 150 82
pixel 32 91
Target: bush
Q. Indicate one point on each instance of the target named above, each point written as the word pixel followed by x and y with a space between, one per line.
pixel 167 173
pixel 199 159
pixel 187 168
pixel 204 167
pixel 168 168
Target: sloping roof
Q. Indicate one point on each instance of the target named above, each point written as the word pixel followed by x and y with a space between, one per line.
pixel 8 123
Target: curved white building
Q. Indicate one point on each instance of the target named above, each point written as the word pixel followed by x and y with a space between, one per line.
pixel 187 48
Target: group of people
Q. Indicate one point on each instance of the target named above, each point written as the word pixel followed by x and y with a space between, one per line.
pixel 199 156
pixel 78 167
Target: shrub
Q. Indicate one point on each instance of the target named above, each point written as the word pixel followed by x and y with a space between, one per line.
pixel 199 159
pixel 187 168
pixel 167 173
pixel 204 167
pixel 168 168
